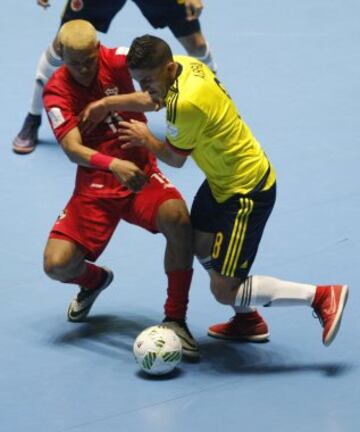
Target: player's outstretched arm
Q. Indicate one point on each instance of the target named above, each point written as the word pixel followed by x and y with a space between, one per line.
pixel 43 3
pixel 137 134
pixel 95 112
pixel 126 172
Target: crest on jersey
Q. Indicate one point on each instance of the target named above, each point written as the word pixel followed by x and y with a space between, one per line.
pixel 76 5
pixel 111 91
pixel 172 130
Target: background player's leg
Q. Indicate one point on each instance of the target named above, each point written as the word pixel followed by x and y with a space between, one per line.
pixel 172 14
pixel 197 46
pixel 26 139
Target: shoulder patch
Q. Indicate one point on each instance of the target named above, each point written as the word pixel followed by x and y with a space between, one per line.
pixel 56 117
pixel 122 50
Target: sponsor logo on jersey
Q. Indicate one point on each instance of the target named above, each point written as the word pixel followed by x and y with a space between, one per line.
pixel 56 117
pixel 76 5
pixel 172 130
pixel 111 91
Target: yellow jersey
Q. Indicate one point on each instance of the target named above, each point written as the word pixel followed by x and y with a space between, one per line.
pixel 203 120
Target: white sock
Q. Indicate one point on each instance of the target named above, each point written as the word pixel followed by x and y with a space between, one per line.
pixel 47 65
pixel 269 291
pixel 207 58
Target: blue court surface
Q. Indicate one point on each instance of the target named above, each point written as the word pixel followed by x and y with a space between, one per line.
pixel 293 70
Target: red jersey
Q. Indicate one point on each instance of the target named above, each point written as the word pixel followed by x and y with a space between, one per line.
pixel 64 99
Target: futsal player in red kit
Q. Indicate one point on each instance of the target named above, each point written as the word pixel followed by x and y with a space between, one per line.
pixel 112 184
pixel 181 17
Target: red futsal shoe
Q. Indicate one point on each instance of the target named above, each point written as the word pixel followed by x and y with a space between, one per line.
pixel 328 304
pixel 249 327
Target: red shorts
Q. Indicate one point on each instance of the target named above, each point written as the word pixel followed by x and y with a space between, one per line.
pixel 91 221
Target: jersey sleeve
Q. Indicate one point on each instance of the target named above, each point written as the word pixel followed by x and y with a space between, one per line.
pixel 184 123
pixel 59 110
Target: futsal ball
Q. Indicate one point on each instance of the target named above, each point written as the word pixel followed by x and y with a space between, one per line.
pixel 157 350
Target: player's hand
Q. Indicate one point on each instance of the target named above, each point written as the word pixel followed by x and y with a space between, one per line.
pixel 128 174
pixel 193 9
pixel 43 3
pixel 92 115
pixel 133 134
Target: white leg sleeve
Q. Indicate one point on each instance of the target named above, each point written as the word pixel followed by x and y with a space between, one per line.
pixel 48 63
pixel 269 291
pixel 207 58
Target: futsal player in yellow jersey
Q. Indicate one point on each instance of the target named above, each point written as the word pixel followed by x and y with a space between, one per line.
pixel 203 121
pixel 232 206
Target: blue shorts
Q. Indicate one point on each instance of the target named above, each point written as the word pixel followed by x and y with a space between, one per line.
pixel 159 13
pixel 238 225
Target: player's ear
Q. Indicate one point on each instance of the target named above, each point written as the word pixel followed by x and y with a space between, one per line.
pixel 171 68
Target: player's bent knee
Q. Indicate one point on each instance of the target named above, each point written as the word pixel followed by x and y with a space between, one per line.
pixel 175 220
pixel 56 265
pixel 181 223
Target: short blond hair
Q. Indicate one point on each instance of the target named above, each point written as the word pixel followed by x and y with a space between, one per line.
pixel 77 35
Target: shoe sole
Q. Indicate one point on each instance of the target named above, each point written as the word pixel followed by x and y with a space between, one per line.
pixel 258 338
pixel 82 314
pixel 23 150
pixel 337 321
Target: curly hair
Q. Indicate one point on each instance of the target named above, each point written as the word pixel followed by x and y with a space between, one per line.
pixel 148 52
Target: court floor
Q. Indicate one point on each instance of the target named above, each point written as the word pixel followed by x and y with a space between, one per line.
pixel 293 70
